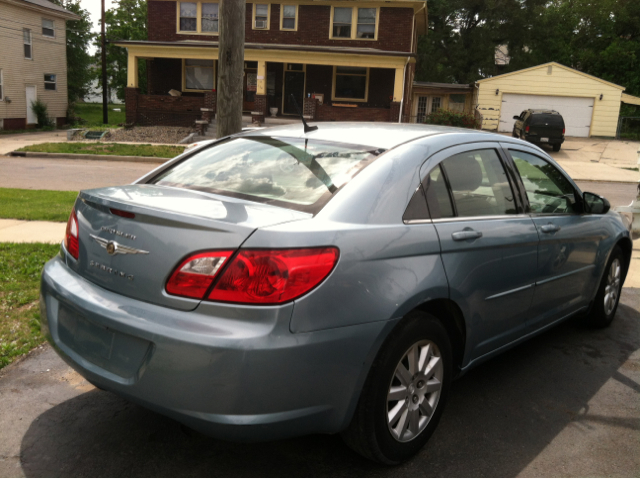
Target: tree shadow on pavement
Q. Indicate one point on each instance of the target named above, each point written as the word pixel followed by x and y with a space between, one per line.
pixel 499 418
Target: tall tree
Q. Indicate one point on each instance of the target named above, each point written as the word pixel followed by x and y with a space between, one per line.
pixel 126 20
pixel 79 37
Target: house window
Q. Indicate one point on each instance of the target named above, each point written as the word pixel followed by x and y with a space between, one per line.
pixel 47 28
pixel 436 104
pixel 261 16
pixel 350 83
pixel 456 102
pixel 1 87
pixel 26 34
pixel 209 20
pixel 289 17
pixel 49 81
pixel 188 16
pixel 344 19
pixel 198 75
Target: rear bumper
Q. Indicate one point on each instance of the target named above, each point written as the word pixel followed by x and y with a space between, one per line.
pixel 233 372
pixel 536 139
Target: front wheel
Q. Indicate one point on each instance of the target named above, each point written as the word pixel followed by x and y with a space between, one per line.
pixel 405 392
pixel 607 298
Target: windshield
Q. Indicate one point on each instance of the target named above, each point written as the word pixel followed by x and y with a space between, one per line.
pixel 548 120
pixel 295 173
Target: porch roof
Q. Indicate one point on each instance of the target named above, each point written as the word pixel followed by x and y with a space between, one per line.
pixel 428 87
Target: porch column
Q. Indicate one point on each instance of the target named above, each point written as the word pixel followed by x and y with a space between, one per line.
pixel 260 105
pixel 132 71
pixel 397 84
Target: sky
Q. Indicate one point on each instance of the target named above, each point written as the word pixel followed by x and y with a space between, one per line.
pixel 93 6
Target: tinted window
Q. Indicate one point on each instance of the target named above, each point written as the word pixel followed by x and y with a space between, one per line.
pixel 417 207
pixel 437 194
pixel 550 120
pixel 288 172
pixel 548 190
pixel 479 184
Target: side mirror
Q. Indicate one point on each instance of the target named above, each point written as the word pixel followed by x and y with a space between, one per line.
pixel 516 117
pixel 595 204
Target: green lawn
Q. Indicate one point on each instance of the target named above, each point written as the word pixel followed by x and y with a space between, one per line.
pixel 41 205
pixel 20 268
pixel 92 114
pixel 154 151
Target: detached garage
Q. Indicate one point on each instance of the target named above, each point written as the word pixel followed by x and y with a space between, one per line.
pixel 589 105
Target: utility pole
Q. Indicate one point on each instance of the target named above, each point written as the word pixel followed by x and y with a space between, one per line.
pixel 230 67
pixel 105 108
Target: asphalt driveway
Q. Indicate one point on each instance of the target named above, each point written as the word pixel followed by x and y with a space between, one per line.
pixel 566 403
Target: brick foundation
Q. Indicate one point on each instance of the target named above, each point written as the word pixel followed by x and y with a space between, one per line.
pixel 131 104
pixel 15 124
pixel 259 109
pixel 394 112
pixel 309 108
pixel 334 113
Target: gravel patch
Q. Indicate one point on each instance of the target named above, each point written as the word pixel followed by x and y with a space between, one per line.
pixel 145 134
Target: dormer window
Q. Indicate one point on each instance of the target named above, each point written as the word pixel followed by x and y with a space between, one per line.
pixel 354 23
pixel 198 17
pixel 261 16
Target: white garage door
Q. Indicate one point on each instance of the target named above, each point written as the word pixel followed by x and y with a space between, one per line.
pixel 576 112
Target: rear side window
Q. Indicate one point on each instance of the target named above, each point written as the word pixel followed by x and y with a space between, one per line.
pixel 479 184
pixel 290 172
pixel 438 197
pixel 547 120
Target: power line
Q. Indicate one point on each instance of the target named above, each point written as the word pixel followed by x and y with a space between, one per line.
pixel 36 25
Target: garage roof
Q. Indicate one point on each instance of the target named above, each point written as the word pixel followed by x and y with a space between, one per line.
pixel 630 99
pixel 555 64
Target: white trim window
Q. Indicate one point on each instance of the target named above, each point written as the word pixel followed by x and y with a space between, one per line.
pixel 209 20
pixel 188 17
pixel 48 29
pixel 198 75
pixel 50 82
pixel 28 47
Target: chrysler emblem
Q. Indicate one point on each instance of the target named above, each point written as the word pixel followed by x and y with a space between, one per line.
pixel 113 247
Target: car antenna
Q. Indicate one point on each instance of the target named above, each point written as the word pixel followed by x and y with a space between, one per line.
pixel 307 128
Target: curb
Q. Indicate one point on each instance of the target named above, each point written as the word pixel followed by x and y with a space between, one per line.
pixel 76 156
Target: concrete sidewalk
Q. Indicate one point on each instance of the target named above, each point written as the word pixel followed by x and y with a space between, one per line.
pixel 18 231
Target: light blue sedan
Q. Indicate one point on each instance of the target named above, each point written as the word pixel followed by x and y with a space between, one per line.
pixel 277 283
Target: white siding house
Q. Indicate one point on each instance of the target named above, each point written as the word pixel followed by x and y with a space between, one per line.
pixel 33 60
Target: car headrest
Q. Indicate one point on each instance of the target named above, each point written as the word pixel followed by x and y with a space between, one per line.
pixel 464 172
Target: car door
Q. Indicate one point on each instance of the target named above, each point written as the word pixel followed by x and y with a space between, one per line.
pixel 488 245
pixel 569 239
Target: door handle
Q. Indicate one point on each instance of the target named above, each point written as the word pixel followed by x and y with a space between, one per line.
pixel 549 228
pixel 466 235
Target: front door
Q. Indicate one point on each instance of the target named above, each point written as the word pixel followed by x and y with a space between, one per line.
pixel 489 246
pixel 293 85
pixel 249 88
pixel 31 95
pixel 569 240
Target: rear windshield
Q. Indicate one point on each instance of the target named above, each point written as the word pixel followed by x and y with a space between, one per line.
pixel 291 172
pixel 547 120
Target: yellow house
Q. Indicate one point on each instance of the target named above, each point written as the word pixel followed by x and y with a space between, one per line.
pixel 429 97
pixel 590 106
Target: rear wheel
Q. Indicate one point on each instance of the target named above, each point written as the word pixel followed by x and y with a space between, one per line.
pixel 404 395
pixel 513 133
pixel 556 147
pixel 607 298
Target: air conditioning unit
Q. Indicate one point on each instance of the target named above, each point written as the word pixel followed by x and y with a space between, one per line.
pixel 261 24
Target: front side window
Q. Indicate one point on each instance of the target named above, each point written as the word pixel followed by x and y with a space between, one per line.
pixel 548 190
pixel 198 74
pixel 47 28
pixel 290 172
pixel 479 184
pixel 354 23
pixel 261 16
pixel 350 83
pixel 49 81
pixel 209 20
pixel 26 35
pixel 289 19
pixel 188 17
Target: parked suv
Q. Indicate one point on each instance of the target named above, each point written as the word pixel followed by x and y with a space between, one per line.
pixel 540 126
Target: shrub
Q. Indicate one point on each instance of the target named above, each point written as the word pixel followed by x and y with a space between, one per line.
pixel 453 118
pixel 42 113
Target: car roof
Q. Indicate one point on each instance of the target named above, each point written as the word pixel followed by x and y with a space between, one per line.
pixel 545 112
pixel 378 135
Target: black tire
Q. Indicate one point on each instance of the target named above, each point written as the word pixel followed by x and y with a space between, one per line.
pixel 513 133
pixel 601 315
pixel 556 147
pixel 369 433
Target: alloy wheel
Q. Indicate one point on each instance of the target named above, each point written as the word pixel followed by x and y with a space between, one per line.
pixel 612 288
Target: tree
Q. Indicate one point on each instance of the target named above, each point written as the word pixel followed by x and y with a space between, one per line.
pixel 79 36
pixel 126 20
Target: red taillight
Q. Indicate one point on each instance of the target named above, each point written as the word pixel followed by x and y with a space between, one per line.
pixel 124 214
pixel 273 276
pixel 527 129
pixel 193 277
pixel 563 131
pixel 71 242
